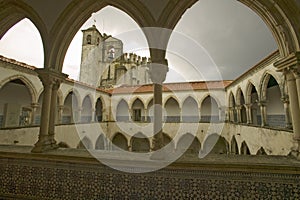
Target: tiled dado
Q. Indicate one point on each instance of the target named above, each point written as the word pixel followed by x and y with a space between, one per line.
pixel 42 179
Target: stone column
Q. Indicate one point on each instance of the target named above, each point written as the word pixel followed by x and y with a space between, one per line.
pixel 93 114
pixel 297 76
pixel 286 105
pixel 34 107
pixel 290 66
pixel 263 112
pixel 158 71
pixel 145 115
pixel 78 117
pixel 199 110
pixel 53 113
pixel 49 78
pixel 130 118
pixel 60 114
pixel 249 113
pixel 231 114
pixel 294 103
pixel 238 113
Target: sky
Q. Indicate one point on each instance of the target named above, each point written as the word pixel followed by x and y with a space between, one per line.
pixel 214 40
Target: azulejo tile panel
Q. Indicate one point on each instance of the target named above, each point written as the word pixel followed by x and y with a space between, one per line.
pixel 40 179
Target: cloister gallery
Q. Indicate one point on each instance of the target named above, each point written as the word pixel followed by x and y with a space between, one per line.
pixel 50 124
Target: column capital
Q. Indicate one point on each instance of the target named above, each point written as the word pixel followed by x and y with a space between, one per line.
pixel 50 77
pixel 158 70
pixel 238 107
pixel 248 105
pixel 285 99
pixel 35 105
pixel 262 103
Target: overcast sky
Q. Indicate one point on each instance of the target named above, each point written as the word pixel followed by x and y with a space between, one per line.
pixel 215 39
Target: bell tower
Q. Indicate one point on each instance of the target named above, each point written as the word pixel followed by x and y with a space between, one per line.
pixel 91 56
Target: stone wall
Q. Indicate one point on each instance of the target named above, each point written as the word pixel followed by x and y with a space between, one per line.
pixel 63 177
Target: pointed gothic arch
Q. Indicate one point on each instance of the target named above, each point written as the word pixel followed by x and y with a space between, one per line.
pixel 140 143
pixel 190 110
pixel 122 111
pixel 252 99
pixel 172 110
pixel 85 143
pixel 241 106
pixel 272 93
pixel 138 110
pixel 101 142
pixel 87 110
pixel 234 149
pixel 245 149
pixel 119 142
pixel 189 145
pixel 99 107
pixel 209 109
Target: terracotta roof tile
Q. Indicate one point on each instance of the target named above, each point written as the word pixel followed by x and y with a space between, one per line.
pixel 184 86
pixel 13 61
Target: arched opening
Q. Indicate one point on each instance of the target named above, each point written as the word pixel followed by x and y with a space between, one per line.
pixel 232 108
pixel 119 142
pixel 172 111
pixel 234 147
pixel 241 103
pixel 38 112
pixel 215 144
pixel 86 113
pixel 254 110
pixel 15 104
pixel 85 143
pixel 140 143
pixel 189 145
pixel 122 111
pixel 100 142
pixel 261 152
pixel 138 111
pixel 168 141
pixel 99 110
pixel 150 111
pixel 209 110
pixel 207 22
pixel 70 109
pixel 107 34
pixel 244 149
pixel 190 112
pixel 23 43
pixel 275 108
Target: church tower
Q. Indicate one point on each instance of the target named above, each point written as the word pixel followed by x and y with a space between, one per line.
pixel 98 58
pixel 91 56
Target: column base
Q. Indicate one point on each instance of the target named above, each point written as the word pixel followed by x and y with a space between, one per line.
pixel 44 144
